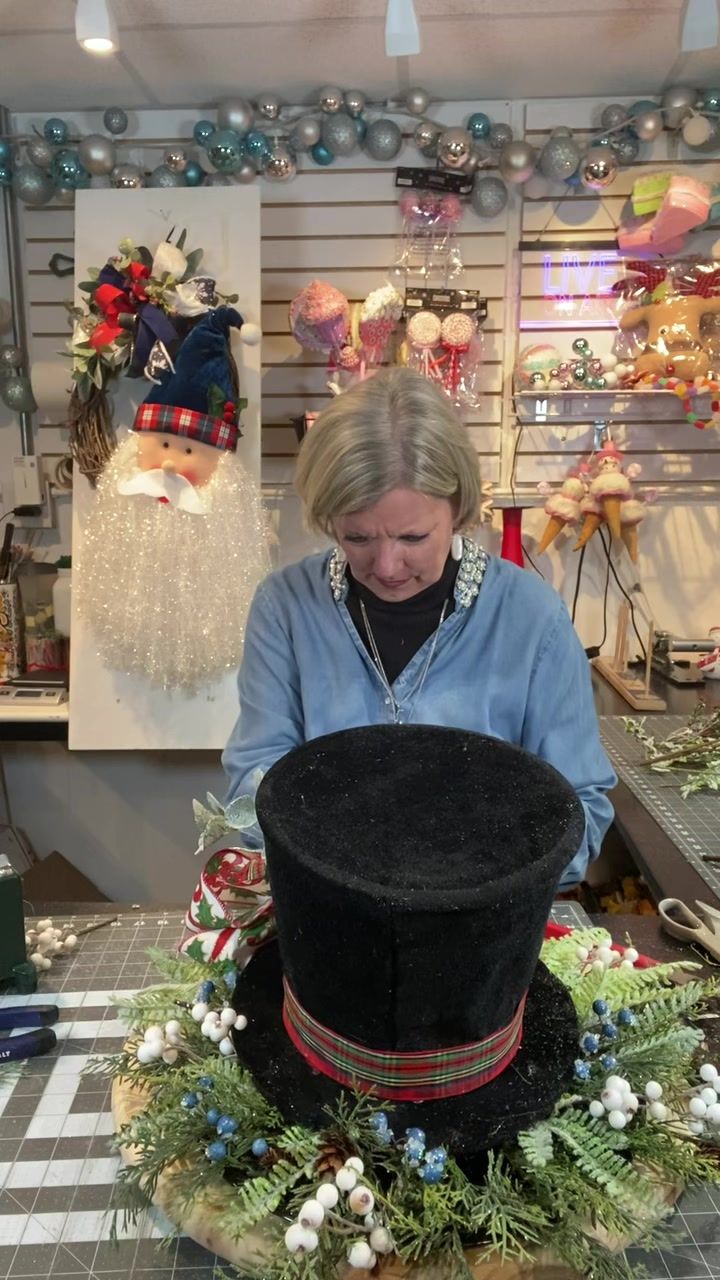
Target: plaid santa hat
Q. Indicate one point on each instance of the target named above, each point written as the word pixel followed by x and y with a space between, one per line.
pixel 199 397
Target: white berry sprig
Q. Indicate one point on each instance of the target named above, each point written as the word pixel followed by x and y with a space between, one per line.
pixel 325 1209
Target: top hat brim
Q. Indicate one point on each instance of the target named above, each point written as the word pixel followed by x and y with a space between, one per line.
pixel 469 1124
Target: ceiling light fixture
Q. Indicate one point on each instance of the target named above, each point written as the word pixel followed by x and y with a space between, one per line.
pixel 95 27
pixel 701 28
pixel 402 34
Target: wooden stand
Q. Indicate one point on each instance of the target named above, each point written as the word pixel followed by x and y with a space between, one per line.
pixel 636 692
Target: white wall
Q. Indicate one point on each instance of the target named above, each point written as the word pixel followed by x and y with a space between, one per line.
pixel 126 820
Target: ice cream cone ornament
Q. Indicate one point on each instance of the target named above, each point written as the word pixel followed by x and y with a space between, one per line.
pixel 632 512
pixel 562 509
pixel 592 516
pixel 610 486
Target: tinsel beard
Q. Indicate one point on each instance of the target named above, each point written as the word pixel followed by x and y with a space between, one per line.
pixel 167 592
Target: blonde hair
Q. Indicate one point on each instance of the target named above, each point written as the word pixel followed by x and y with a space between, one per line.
pixel 393 431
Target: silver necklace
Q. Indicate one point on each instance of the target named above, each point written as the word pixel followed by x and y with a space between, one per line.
pixel 415 693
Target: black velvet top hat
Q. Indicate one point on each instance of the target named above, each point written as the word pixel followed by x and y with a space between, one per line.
pixel 412 870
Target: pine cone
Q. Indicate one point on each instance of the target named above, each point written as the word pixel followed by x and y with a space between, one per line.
pixel 333 1153
pixel 271 1158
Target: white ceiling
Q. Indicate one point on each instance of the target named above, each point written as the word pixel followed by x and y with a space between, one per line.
pixel 194 52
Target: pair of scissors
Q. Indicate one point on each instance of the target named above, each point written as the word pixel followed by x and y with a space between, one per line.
pixel 39 1040
pixel 677 919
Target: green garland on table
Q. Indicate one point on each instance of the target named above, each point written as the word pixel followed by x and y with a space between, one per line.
pixel 693 750
pixel 595 1169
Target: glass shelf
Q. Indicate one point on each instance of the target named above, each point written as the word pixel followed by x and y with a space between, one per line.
pixel 578 406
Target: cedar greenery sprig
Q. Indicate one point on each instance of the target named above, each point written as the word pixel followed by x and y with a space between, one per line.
pixel 692 750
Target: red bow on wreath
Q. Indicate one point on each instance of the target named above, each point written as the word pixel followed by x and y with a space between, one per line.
pixel 113 303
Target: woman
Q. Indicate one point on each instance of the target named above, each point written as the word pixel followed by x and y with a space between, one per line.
pixel 407 619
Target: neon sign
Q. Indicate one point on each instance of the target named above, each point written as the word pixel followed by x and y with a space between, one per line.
pixel 575 285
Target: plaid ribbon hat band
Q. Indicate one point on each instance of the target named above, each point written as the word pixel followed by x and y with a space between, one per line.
pixel 410 1077
pixel 187 422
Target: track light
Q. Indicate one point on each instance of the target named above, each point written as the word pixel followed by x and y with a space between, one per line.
pixel 402 34
pixel 95 27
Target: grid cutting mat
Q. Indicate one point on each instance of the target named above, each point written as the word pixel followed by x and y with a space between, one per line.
pixel 56 1167
pixel 693 825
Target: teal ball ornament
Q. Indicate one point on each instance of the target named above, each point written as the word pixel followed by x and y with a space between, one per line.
pixel 115 120
pixel 225 150
pixel 641 106
pixel 479 125
pixel 56 131
pixel 360 127
pixel 321 155
pixel 162 176
pixel 489 197
pixel 711 100
pixel 626 147
pixel 194 174
pixel 6 152
pixel 32 186
pixel 383 140
pixel 258 147
pixel 68 170
pixel 203 132
pixel 6 175
pixel 339 133
pixel 581 347
pixel 500 135
pixel 17 393
pixel 613 116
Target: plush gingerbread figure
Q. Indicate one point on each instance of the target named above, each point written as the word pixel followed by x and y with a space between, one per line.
pixel 673 318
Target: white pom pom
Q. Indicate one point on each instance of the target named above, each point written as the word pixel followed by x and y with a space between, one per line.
pixel 696 1126
pixel 632 1102
pixel 596 1109
pixel 45 936
pixel 361 1200
pixel 617 1082
pixel 310 1240
pixel 153 1033
pixel 294 1237
pixel 173 1028
pixel 42 925
pixel 311 1214
pixel 708 1095
pixel 57 934
pixel 598 966
pixel 46 963
pixel 713 1114
pixel 345 1179
pixel 697 1108
pixel 653 1091
pixel 327 1195
pixel 612 1099
pixel 658 1111
pixel 216 1034
pixel 241 1022
pixel 170 1056
pixel 70 942
pixel 55 948
pixel 354 1162
pixel 708 1072
pixel 226 1047
pixel 380 1240
pixel 632 954
pixel 37 959
pixel 617 1119
pixel 251 335
pixel 582 954
pixel 361 1256
pixel 608 362
pixel 607 955
pixel 626 964
pixel 228 1017
pixel 199 1012
pixel 145 1054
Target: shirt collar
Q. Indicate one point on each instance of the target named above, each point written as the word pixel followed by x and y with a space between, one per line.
pixel 467 584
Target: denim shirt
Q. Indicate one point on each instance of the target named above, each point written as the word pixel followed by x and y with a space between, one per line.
pixel 507 662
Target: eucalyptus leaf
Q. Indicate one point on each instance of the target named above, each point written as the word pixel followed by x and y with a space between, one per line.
pixel 180 242
pixel 193 262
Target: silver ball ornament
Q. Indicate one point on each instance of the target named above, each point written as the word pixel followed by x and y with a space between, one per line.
pixel 115 120
pixel 559 158
pixel 454 148
pixel 235 113
pixel 40 153
pixel 306 132
pixel 281 166
pixel 32 186
pixel 489 197
pixel 500 135
pixel 330 99
pixel 417 101
pixel 677 104
pixel 626 147
pixel 246 174
pixel 65 195
pixel 613 116
pixel 268 105
pixel 339 134
pixel 599 168
pixel 426 138
pixel 355 102
pixel 383 140
pixel 17 393
pixel 176 159
pixel 164 177
pixel 517 162
pixel 127 177
pixel 648 125
pixel 97 153
pixel 11 357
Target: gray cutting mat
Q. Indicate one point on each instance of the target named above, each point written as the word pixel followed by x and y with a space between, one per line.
pixel 693 824
pixel 56 1167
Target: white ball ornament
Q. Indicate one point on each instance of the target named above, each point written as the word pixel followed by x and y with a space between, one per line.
pixel 251 334
pixel 630 952
pixel 199 1012
pixel 36 959
pixel 228 1018
pixel 360 1256
pixel 606 955
pixel 354 1162
pixel 216 1034
pixel 294 1237
pixel 46 963
pixel 46 936
pixel 632 1102
pixel 70 942
pixel 345 1179
pixel 599 966
pixel 241 1022
pixel 582 954
pixel 617 1082
pixel 226 1047
pixel 311 1214
pixel 658 1111
pixel 173 1028
pixel 708 1095
pixel 713 1114
pixel 153 1033
pixel 617 1119
pixel 609 362
pixel 653 1091
pixel 708 1072
pixel 327 1195
pixel 310 1240
pixel 29 942
pixel 361 1200
pixel 596 1109
pixel 611 381
pixel 697 1108
pixel 612 1099
pixel 380 1240
pixel 145 1054
pixel 44 924
pixel 696 1127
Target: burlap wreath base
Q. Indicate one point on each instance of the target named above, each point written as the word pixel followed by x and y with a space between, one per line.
pixel 202 1224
